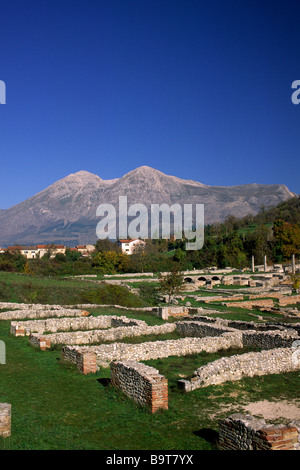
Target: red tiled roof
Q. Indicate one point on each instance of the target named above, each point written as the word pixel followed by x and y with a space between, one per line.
pixel 21 247
pixel 50 246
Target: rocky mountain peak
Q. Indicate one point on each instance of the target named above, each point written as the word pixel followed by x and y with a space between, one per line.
pixel 65 212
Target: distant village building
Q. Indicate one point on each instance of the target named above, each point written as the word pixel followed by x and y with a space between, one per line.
pixel 85 250
pixel 130 246
pixel 52 249
pixel 38 251
pixel 30 252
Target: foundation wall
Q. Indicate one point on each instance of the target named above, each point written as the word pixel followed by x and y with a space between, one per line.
pixel 112 334
pixel 107 353
pixel 142 383
pixel 244 432
pixel 236 367
pixel 5 420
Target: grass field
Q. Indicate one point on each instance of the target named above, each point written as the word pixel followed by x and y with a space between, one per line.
pixel 55 407
pixel 15 287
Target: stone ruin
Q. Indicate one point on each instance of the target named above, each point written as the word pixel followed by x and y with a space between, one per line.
pixel 5 419
pixel 142 383
pixel 77 330
pixel 245 432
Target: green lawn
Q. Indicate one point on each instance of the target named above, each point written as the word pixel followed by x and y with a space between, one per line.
pixel 55 407
pixel 15 287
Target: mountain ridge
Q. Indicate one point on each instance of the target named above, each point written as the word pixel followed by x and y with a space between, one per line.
pixel 65 211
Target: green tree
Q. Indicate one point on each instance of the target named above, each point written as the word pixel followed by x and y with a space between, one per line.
pixel 110 262
pixel 287 239
pixel 171 284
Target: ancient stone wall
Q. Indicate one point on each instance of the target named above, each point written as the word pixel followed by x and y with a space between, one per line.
pixel 107 353
pixel 83 358
pixel 53 325
pixel 170 311
pixel 142 383
pixel 265 337
pixel 269 339
pixel 5 419
pixel 99 336
pixel 41 313
pixel 245 325
pixel 244 432
pixel 201 329
pixel 251 304
pixel 41 342
pixel 236 367
pixel 289 300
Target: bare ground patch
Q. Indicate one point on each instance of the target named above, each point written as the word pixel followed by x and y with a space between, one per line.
pixel 269 410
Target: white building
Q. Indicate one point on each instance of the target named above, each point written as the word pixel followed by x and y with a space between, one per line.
pixel 30 252
pixel 52 249
pixel 130 246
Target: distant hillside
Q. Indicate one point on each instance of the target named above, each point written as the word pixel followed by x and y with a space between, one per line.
pixel 289 211
pixel 274 232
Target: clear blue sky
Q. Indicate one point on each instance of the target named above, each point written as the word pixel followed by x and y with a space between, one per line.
pixel 196 89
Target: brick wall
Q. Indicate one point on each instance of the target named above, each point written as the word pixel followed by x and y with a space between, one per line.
pixel 83 358
pixel 142 383
pixel 244 432
pixel 41 342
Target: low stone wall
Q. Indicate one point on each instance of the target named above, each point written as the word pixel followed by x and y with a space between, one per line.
pixel 244 432
pixel 107 353
pixel 201 329
pixel 142 383
pixel 41 342
pixel 170 311
pixel 41 313
pixel 99 336
pixel 269 339
pixel 219 298
pixel 263 336
pixel 129 275
pixel 245 325
pixel 273 361
pixel 289 300
pixel 251 304
pixel 54 325
pixel 5 419
pixel 83 358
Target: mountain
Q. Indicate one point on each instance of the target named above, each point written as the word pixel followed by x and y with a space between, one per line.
pixel 65 212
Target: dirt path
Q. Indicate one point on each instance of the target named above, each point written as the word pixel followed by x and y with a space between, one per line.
pixel 275 410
